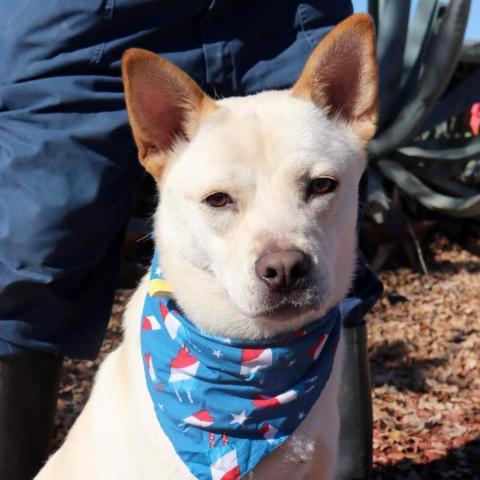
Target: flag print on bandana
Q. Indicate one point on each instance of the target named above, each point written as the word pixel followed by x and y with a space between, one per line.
pixel 200 419
pixel 151 370
pixel 255 359
pixel 268 432
pixel 285 397
pixel 316 350
pixel 223 463
pixel 226 403
pixel 150 323
pixel 172 323
pixel 182 373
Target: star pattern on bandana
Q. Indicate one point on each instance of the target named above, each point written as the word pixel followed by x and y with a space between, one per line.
pixel 240 418
pixel 217 353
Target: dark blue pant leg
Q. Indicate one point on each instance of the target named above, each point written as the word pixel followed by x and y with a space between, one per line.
pixel 66 180
pixel 67 160
pixel 67 172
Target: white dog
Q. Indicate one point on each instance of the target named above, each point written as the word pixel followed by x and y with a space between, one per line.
pixel 256 230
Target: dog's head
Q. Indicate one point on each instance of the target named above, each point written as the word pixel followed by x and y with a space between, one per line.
pixel 256 224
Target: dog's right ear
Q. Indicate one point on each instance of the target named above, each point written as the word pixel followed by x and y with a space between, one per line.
pixel 164 105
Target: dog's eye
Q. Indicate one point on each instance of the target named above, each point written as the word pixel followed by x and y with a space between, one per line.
pixel 219 199
pixel 321 186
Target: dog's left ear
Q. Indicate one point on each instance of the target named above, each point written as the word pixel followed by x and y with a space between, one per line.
pixel 341 77
pixel 164 105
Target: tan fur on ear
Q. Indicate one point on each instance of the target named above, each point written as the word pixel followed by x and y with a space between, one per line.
pixel 163 103
pixel 341 76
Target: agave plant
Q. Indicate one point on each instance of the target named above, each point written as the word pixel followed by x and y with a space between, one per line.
pixel 417 151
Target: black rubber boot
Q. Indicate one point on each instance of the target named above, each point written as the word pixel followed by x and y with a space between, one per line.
pixel 355 403
pixel 28 396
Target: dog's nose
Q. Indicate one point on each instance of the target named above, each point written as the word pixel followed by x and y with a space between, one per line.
pixel 283 269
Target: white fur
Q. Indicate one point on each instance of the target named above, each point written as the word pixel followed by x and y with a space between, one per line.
pixel 259 149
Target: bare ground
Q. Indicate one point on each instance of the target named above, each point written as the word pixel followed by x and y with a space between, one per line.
pixel 424 338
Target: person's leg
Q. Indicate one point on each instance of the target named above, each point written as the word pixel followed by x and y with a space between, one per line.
pixel 66 179
pixel 67 172
pixel 29 384
pixel 252 46
pixel 355 402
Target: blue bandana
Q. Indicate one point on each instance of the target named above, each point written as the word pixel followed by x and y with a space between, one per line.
pixel 224 403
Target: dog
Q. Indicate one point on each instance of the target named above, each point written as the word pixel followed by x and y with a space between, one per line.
pixel 256 229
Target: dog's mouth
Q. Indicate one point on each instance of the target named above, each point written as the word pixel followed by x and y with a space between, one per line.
pixel 293 306
pixel 287 312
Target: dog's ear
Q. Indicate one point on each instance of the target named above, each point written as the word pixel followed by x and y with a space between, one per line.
pixel 341 76
pixel 164 105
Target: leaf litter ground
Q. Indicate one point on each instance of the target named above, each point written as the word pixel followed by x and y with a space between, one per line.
pixel 424 344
